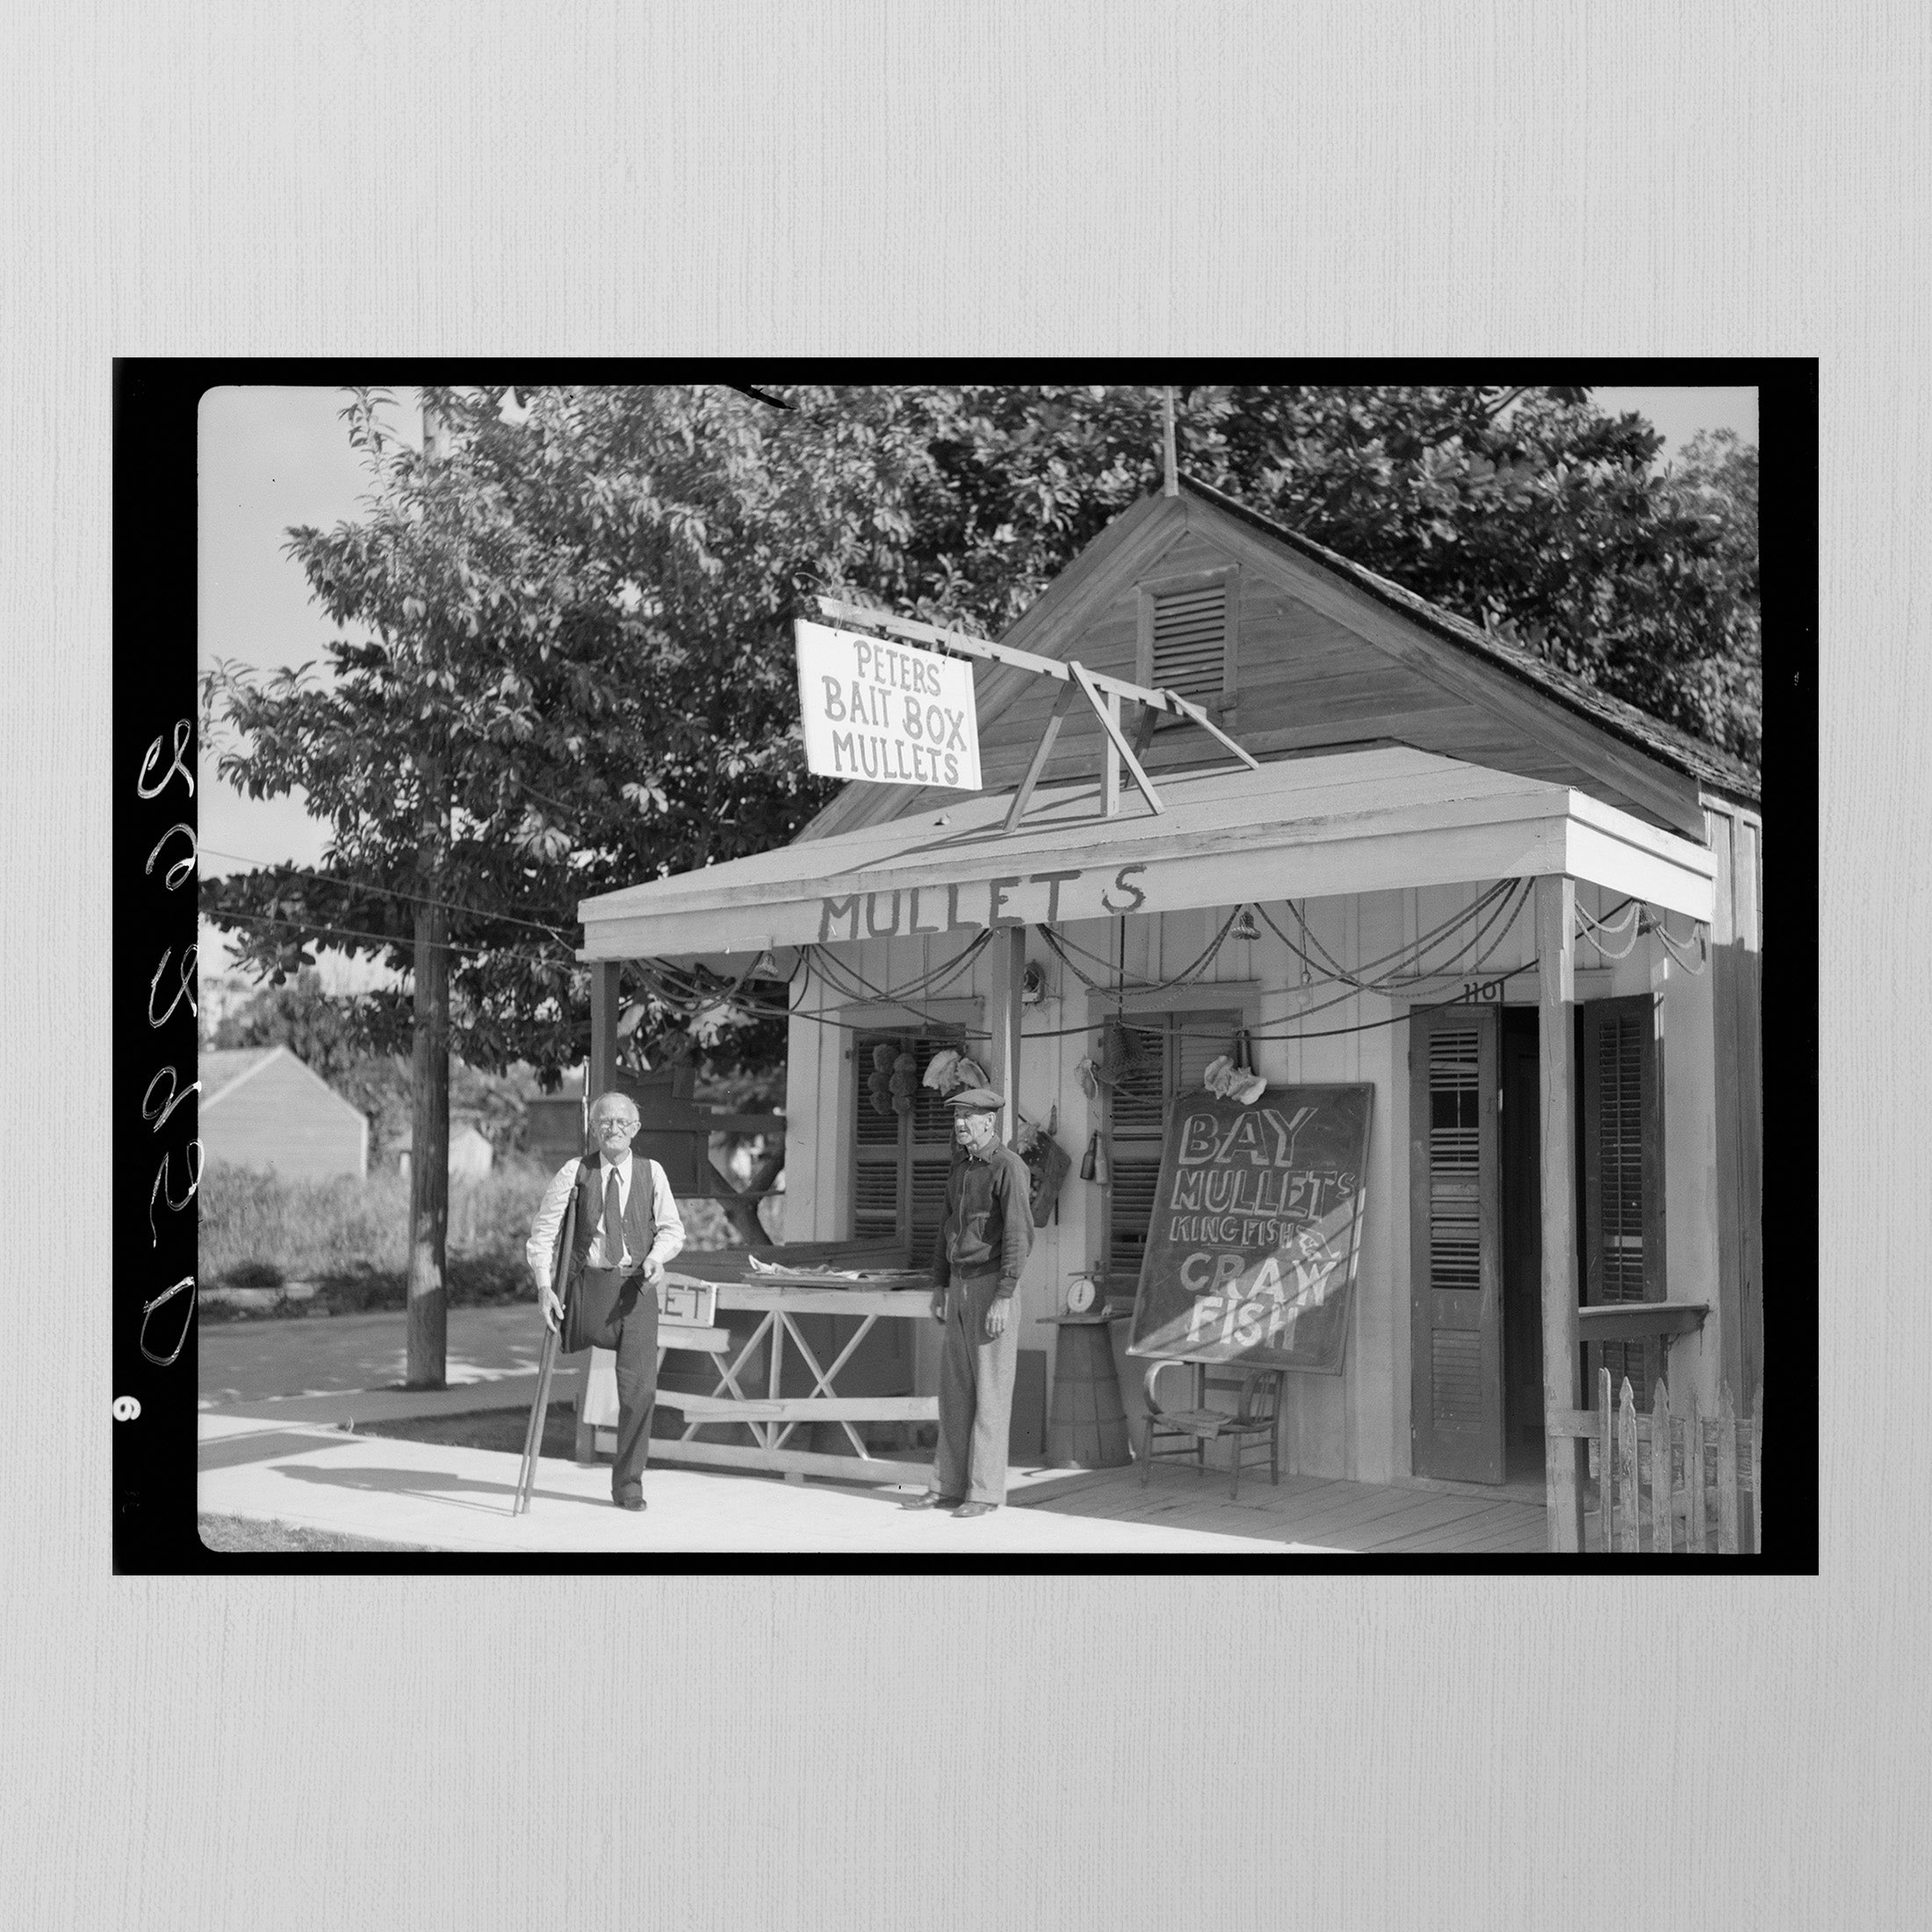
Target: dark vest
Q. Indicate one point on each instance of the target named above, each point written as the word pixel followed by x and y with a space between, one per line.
pixel 640 1227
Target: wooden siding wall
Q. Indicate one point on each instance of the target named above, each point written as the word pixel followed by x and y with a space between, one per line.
pixel 282 1117
pixel 1736 838
pixel 1356 1423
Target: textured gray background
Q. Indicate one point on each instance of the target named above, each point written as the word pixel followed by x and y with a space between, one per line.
pixel 1015 178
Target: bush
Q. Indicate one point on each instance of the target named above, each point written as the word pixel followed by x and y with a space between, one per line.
pixel 255 1274
pixel 252 1225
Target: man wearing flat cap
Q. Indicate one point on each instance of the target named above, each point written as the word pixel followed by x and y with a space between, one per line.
pixel 977 1261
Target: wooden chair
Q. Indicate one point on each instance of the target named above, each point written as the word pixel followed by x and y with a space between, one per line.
pixel 1256 1414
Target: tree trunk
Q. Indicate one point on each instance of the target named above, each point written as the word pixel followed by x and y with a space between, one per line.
pixel 430 1136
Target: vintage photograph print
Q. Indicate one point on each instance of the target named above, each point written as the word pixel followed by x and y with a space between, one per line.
pixel 1162 969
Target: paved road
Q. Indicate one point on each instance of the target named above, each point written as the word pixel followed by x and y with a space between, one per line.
pixel 261 1360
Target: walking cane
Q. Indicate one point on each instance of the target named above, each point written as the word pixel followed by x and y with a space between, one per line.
pixel 533 1436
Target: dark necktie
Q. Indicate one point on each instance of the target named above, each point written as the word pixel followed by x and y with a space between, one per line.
pixel 613 1227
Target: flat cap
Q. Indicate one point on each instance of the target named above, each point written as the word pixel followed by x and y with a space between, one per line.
pixel 976 1100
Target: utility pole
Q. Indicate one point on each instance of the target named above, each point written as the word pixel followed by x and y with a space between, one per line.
pixel 428 1300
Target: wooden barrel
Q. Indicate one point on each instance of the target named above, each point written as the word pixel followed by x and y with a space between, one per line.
pixel 1088 1425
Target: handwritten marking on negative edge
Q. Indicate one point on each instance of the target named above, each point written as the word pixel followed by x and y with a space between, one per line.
pixel 177 1094
pixel 182 867
pixel 147 1314
pixel 184 989
pixel 195 1159
pixel 184 731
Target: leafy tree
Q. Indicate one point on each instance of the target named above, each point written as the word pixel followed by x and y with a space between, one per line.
pixel 1719 472
pixel 561 674
pixel 324 1033
pixel 1525 510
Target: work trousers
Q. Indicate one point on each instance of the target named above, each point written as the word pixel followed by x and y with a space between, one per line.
pixel 621 1313
pixel 976 1379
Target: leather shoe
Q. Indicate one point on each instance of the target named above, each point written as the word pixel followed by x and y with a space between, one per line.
pixel 926 1500
pixel 967 1511
pixel 629 1501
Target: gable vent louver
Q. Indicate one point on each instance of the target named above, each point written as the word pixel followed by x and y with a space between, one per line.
pixel 1190 640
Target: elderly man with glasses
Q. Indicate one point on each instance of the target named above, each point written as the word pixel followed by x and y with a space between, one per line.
pixel 603 1293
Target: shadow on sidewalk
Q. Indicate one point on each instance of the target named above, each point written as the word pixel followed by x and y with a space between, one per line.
pixel 434 1486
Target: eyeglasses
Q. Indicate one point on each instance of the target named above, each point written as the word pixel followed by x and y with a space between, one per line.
pixel 626 1127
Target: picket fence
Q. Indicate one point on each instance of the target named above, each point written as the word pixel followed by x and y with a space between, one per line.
pixel 1669 1483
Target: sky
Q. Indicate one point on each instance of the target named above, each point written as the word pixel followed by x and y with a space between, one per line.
pixel 271 458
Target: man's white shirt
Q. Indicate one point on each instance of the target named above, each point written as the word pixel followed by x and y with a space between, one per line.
pixel 549 1218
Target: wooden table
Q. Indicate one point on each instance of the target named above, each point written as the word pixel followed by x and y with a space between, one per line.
pixel 771 1417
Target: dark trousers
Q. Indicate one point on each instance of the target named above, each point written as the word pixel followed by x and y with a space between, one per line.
pixel 620 1311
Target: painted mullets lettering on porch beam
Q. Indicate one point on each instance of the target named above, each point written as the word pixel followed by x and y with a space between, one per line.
pixel 906 912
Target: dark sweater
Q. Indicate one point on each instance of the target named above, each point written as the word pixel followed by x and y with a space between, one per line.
pixel 989 1222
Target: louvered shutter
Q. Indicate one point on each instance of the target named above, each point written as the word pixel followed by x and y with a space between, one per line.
pixel 1456 1410
pixel 875 1180
pixel 901 1161
pixel 1175 1050
pixel 929 1153
pixel 1623 1191
pixel 1190 630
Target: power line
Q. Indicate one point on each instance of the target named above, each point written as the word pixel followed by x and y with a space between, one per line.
pixel 401 942
pixel 388 892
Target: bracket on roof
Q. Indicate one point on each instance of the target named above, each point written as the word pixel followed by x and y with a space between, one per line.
pixel 1105 694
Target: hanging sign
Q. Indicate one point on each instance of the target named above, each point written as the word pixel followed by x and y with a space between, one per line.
pixel 884 712
pixel 1256 1229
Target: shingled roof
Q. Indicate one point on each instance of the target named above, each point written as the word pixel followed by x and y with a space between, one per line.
pixel 1650 735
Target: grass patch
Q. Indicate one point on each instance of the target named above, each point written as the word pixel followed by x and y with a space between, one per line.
pixel 246 1535
pixel 350 1237
pixel 261 1229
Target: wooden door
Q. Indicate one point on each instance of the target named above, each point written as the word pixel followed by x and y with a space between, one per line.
pixel 1456 1395
pixel 1622 1182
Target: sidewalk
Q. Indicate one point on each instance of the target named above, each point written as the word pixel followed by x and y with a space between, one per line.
pixel 460 1499
pixel 274 1395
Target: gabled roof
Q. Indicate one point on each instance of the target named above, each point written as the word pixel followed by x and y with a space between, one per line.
pixel 221 1070
pixel 1133 542
pixel 1675 748
pixel 226 1068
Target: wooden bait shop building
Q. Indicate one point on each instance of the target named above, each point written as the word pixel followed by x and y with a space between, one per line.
pixel 1357 844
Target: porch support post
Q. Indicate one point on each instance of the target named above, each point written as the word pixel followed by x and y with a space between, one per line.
pixel 1564 1456
pixel 601 1075
pixel 1006 962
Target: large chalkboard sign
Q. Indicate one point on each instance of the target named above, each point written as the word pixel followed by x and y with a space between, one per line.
pixel 1256 1229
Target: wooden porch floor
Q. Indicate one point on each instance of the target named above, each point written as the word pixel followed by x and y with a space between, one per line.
pixel 1352 1517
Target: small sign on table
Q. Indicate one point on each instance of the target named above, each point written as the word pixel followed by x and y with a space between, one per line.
pixel 688 1304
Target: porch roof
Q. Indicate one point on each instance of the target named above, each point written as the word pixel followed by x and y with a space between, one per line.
pixel 1376 819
